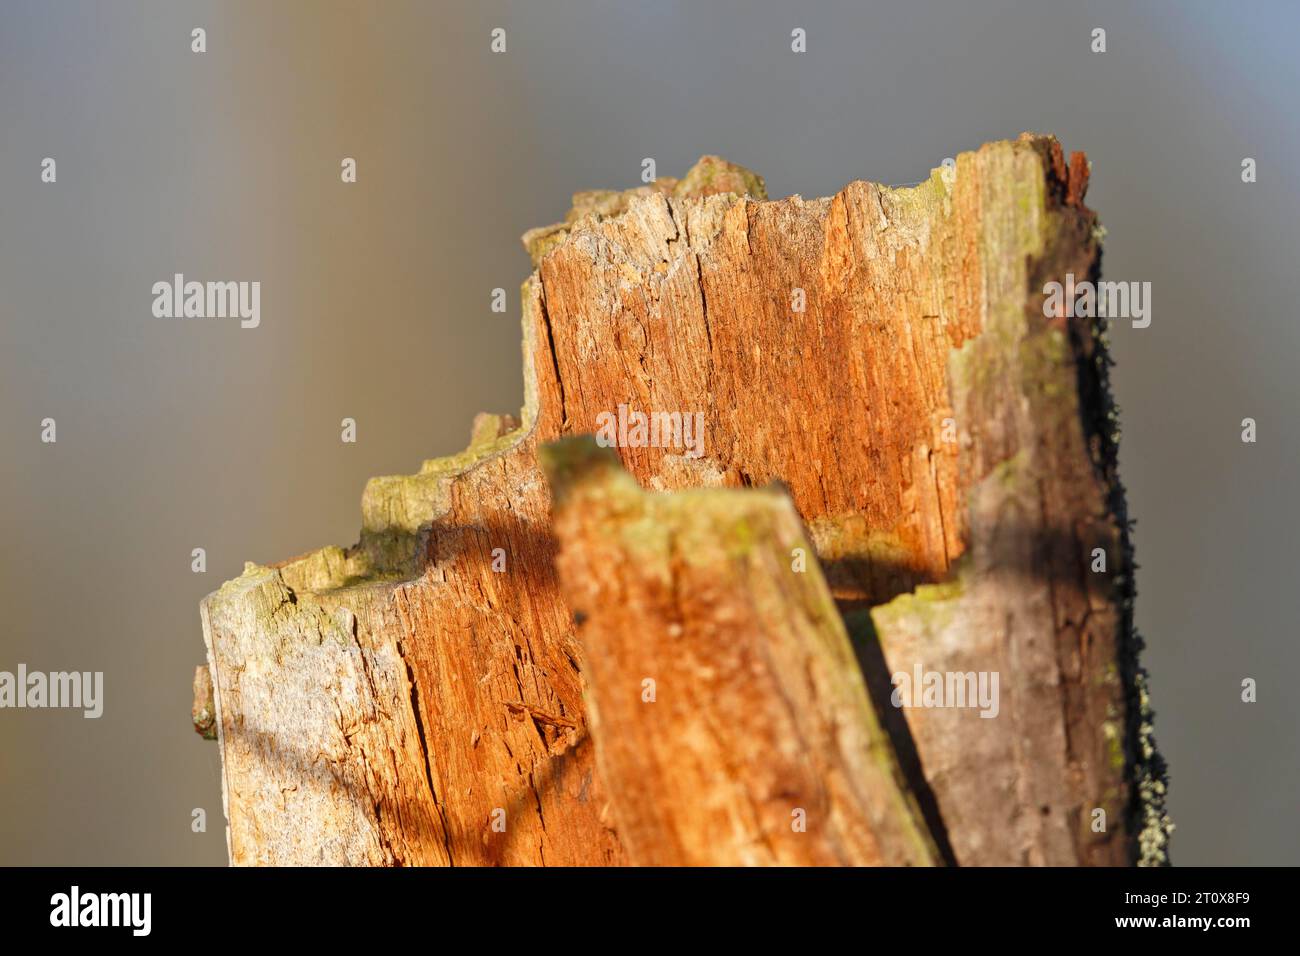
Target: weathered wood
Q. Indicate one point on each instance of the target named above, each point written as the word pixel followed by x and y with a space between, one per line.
pixel 203 712
pixel 398 701
pixel 731 723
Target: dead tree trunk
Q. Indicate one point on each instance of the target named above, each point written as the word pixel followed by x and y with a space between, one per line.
pixel 418 698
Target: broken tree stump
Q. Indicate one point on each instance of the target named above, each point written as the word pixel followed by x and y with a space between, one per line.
pixel 418 698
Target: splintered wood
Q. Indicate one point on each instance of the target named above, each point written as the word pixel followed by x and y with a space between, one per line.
pixel 763 748
pixel 438 694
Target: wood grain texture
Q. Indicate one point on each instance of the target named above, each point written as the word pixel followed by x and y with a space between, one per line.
pixel 732 725
pixel 884 354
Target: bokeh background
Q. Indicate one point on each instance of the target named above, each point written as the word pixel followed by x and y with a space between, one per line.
pixel 376 305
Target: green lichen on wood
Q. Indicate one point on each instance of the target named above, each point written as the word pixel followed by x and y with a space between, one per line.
pixel 398 510
pixel 691 523
pixel 404 504
pixel 713 175
pixel 1152 783
pixel 710 176
pixel 931 608
pixel 923 203
pixel 287 618
pixel 319 570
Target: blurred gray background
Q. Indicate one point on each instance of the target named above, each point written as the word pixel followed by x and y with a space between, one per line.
pixel 375 305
